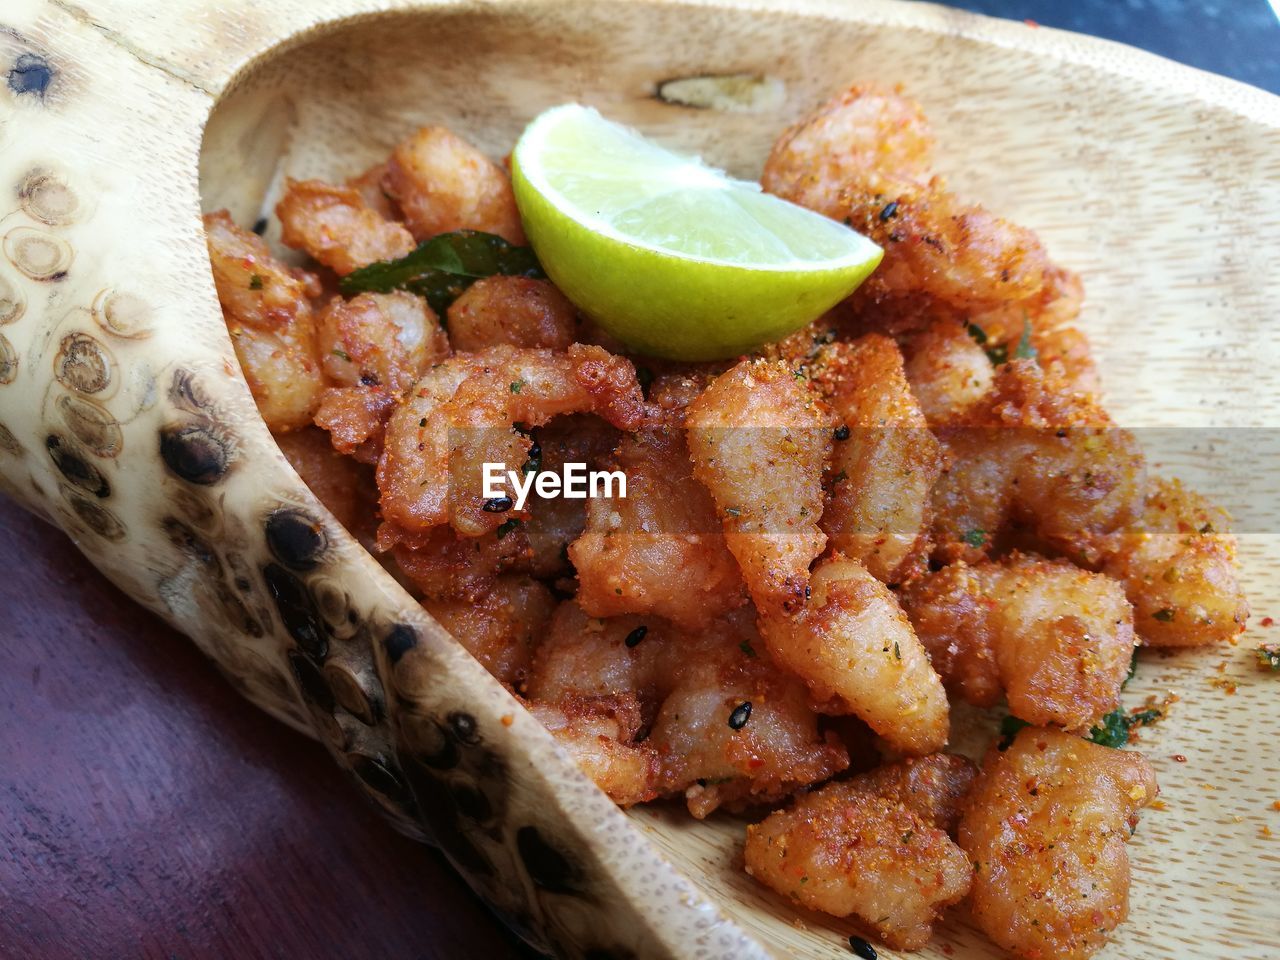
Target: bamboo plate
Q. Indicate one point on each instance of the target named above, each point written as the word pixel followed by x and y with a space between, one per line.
pixel 124 419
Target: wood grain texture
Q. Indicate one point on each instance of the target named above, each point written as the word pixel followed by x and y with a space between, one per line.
pixel 147 812
pixel 1161 185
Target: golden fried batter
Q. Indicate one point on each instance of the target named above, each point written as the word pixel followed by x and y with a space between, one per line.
pixel 1046 827
pixel 849 852
pixel 1052 638
pixel 336 227
pixel 269 319
pixel 442 183
pixel 511 310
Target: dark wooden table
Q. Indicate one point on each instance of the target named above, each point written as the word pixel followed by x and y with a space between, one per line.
pixel 147 811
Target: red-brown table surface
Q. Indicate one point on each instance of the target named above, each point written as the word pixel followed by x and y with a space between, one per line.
pixel 146 811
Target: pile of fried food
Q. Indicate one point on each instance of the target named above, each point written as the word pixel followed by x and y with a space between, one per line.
pixel 918 496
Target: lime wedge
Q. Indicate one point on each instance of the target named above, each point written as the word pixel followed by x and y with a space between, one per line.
pixel 673 257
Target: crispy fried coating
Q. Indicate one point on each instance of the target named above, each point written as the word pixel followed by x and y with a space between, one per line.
pixel 335 226
pixel 692 687
pixel 385 340
pixel 442 566
pixel 511 310
pixel 1179 569
pixel 443 183
pixel 759 443
pixel 856 650
pixel 660 550
pixel 1046 826
pixel 356 419
pixel 413 471
pixel 732 729
pixel 1052 638
pixel 269 319
pixel 947 368
pixel 462 414
pixel 1035 451
pixel 369 185
pixel 599 734
pixel 862 158
pixel 342 484
pixel 885 466
pixel 932 787
pixel 502 627
pixel 850 852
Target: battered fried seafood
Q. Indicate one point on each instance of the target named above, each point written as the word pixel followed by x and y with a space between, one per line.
pixel 1052 638
pixel 850 850
pixel 920 488
pixel 1046 827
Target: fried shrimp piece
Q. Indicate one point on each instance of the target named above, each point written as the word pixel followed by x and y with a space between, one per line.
pixel 660 550
pixel 861 130
pixel 1046 827
pixel 269 319
pixel 585 656
pixel 861 158
pixel 856 650
pixel 356 419
pixel 847 851
pixel 759 443
pixel 1056 640
pixel 443 183
pixel 512 310
pixel 1037 452
pixel 511 385
pixel 728 726
pixel 501 628
pixel 947 368
pixel 732 729
pixel 369 186
pixel 336 227
pixel 1179 569
pixel 599 734
pixel 442 566
pixel 885 459
pixel 342 484
pixel 932 787
pixel 385 340
pixel 462 414
pixel 413 471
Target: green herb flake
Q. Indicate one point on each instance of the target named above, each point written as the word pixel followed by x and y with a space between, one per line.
pixel 1268 656
pixel 339 352
pixel 906 837
pixel 517 386
pixel 1009 728
pixel 897 651
pixel 1024 349
pixel 975 538
pixel 1116 726
pixel 1164 615
pixel 979 335
pixel 1133 668
pixel 839 478
pixel 733 511
pixel 444 266
pixel 506 527
pixel 999 354
pixel 745 647
pixel 255 282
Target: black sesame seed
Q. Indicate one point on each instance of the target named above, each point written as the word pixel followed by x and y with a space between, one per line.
pixel 862 949
pixel 741 714
pixel 260 226
pixel 635 636
pixel 498 505
pixel 842 432
pixel 888 212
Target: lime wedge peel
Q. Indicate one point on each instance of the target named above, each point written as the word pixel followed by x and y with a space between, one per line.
pixel 668 254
